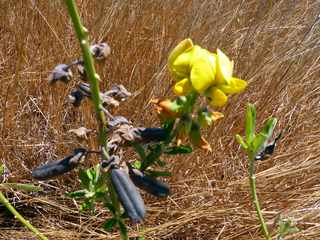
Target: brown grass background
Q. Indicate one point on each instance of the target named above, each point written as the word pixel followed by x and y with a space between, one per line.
pixel 275 45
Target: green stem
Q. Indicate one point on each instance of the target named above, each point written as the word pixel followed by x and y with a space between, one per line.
pixel 255 199
pixel 82 35
pixel 18 216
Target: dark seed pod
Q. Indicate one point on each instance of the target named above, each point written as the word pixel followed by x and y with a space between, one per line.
pixel 61 72
pixel 128 195
pixel 149 184
pixel 59 167
pixel 152 134
pixel 75 98
pixel 100 51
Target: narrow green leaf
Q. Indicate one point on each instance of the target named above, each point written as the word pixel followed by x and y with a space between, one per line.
pixel 123 229
pixel 21 186
pixel 250 123
pixel 77 194
pixel 140 150
pixel 152 157
pixel 110 207
pixel 1 169
pixel 260 140
pixel 85 178
pixel 109 224
pixel 241 142
pixel 158 174
pixel 182 149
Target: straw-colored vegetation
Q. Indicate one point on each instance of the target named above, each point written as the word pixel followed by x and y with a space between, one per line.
pixel 275 45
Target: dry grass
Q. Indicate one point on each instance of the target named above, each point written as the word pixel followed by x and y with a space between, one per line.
pixel 275 45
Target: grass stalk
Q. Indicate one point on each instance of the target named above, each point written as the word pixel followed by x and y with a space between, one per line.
pixel 18 216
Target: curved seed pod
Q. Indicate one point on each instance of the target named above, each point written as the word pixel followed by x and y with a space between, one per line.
pixel 128 195
pixel 149 184
pixel 61 72
pixel 59 167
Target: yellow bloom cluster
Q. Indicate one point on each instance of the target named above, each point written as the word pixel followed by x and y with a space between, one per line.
pixel 209 74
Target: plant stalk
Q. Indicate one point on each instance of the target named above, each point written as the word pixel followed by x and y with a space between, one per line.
pixel 82 35
pixel 253 190
pixel 18 216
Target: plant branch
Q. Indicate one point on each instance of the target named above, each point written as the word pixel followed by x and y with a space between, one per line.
pixel 18 216
pixel 82 35
pixel 254 196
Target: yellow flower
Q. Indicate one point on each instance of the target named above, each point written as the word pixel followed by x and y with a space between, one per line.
pixel 210 74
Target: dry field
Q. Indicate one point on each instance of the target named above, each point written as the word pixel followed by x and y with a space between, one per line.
pixel 275 45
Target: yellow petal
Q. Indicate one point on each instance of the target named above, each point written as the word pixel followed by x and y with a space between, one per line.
pixel 224 68
pixel 178 50
pixel 236 85
pixel 181 66
pixel 183 87
pixel 202 74
pixel 216 97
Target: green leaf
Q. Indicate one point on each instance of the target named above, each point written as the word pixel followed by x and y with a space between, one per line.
pixel 286 227
pixel 250 123
pixel 182 149
pixel 140 150
pixel 109 224
pixel 21 186
pixel 77 194
pixel 137 164
pixel 85 178
pixel 241 142
pixel 168 125
pixel 260 141
pixel 2 169
pixel 96 173
pixel 158 173
pixel 110 207
pixel 123 229
pixel 152 157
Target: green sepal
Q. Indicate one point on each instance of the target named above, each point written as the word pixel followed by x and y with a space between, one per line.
pixel 241 142
pixel 250 123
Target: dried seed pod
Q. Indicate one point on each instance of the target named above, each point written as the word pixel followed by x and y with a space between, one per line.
pixel 100 51
pixel 75 98
pixel 59 167
pixel 128 195
pixel 84 88
pixel 61 72
pixel 119 92
pixel 149 184
pixel 117 121
pixel 82 71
